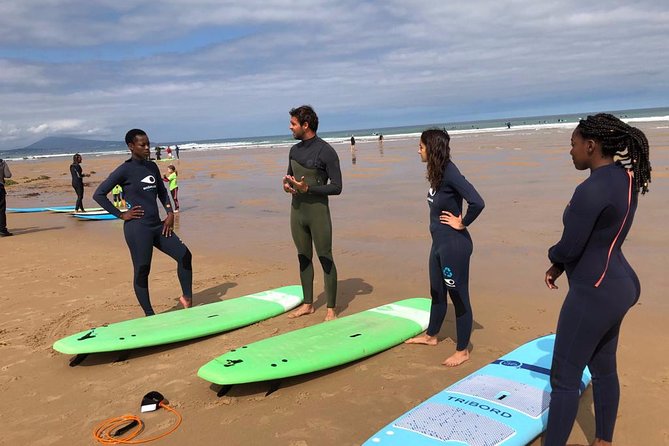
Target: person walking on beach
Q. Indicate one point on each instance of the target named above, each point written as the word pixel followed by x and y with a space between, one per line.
pixel 602 284
pixel 143 229
pixel 78 181
pixel 451 243
pixel 171 178
pixel 4 173
pixel 176 151
pixel 313 174
pixel 352 143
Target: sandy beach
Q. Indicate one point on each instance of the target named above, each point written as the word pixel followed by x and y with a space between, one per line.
pixel 60 276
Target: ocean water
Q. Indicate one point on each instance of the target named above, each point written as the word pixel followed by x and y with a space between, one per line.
pixel 389 134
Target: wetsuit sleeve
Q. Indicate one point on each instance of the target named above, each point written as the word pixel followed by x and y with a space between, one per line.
pixel 100 196
pixel 162 191
pixel 73 172
pixel 334 186
pixel 579 220
pixel 475 203
pixel 290 167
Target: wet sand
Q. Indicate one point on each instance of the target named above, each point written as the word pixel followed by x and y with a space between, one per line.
pixel 60 276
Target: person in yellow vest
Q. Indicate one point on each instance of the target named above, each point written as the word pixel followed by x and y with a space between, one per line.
pixel 119 198
pixel 171 178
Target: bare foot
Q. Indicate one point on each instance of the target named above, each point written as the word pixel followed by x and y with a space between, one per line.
pixel 303 310
pixel 186 302
pixel 424 339
pixel 330 315
pixel 456 358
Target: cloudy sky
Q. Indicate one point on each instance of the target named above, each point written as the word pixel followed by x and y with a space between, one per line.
pixel 202 69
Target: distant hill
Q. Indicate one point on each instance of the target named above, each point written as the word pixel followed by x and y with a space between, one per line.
pixel 65 143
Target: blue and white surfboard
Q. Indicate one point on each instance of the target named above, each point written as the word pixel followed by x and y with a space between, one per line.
pixel 504 403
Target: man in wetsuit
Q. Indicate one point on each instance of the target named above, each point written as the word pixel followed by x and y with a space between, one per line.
pixel 313 174
pixel 78 181
pixel 4 173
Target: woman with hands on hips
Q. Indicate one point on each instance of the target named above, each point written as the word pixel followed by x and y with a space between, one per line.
pixel 143 228
pixel 451 243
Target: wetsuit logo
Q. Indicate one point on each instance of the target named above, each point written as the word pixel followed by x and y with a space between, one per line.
pixel 150 180
pixel 448 277
pixel 430 194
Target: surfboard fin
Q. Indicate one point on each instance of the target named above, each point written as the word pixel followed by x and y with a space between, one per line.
pixel 273 387
pixel 123 356
pixel 224 390
pixel 78 359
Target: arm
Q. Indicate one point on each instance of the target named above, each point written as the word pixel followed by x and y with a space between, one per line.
pixel 475 203
pixel 579 220
pixel 163 196
pixel 7 172
pixel 100 195
pixel 168 224
pixel 331 161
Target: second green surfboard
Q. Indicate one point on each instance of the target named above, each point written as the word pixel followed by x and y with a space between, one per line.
pixel 321 346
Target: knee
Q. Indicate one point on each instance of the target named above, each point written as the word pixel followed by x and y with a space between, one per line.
pixel 142 276
pixel 565 377
pixel 187 260
pixel 327 264
pixel 305 262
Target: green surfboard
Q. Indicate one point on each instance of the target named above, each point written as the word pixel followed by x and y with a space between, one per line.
pixel 321 346
pixel 181 325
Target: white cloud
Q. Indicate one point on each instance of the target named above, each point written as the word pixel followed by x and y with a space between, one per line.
pixel 356 62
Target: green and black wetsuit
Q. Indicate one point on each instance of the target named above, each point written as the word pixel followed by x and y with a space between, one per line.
pixel 310 222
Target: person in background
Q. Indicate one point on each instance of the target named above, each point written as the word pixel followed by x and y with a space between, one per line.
pixel 602 284
pixel 171 178
pixel 176 151
pixel 78 181
pixel 4 173
pixel 117 194
pixel 158 148
pixel 169 152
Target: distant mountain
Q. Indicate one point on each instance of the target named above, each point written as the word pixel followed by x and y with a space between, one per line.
pixel 69 144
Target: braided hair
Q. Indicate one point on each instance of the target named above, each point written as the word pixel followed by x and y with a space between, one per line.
pixel 618 139
pixel 436 143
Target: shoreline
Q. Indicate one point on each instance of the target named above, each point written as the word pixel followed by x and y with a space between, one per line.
pixel 278 142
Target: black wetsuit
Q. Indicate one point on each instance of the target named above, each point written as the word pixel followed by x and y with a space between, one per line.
pixel 142 184
pixel 4 173
pixel 450 253
pixel 78 185
pixel 310 221
pixel 602 287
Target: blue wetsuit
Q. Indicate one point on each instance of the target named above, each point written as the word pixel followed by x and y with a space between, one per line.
pixel 142 184
pixel 602 287
pixel 450 253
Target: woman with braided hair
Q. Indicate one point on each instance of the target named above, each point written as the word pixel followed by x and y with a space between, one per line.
pixel 602 285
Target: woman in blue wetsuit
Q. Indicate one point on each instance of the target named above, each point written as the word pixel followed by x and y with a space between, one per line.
pixel 451 244
pixel 602 285
pixel 143 228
